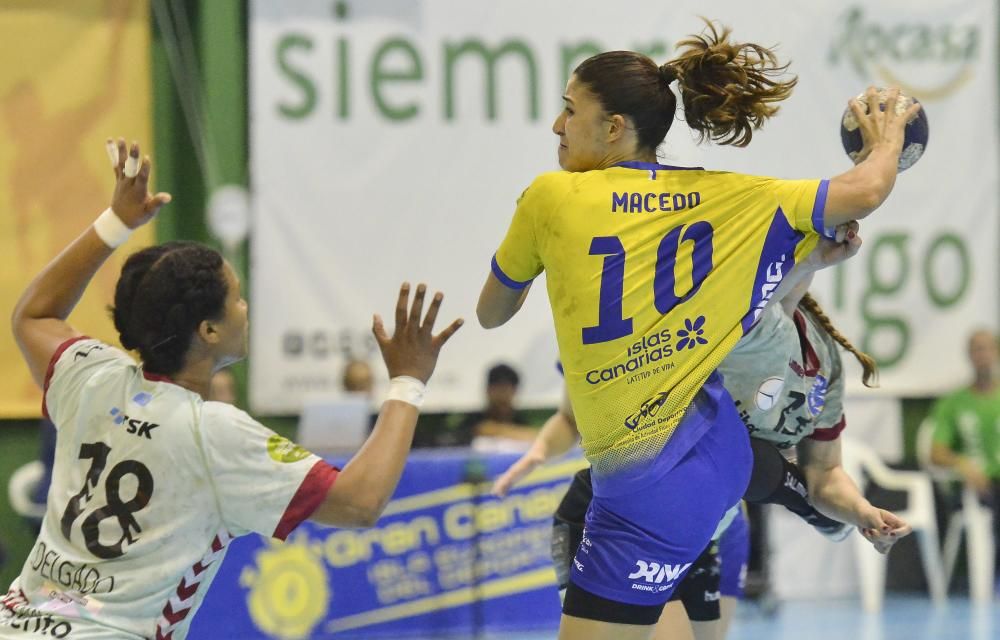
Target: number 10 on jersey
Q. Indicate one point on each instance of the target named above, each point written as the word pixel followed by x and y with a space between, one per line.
pixel 611 323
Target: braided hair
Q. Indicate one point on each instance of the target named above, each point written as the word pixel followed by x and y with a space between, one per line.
pixel 162 296
pixel 870 375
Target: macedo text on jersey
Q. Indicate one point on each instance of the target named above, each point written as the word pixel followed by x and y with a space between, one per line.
pixel 636 202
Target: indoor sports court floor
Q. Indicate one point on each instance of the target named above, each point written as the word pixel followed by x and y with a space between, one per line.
pixel 904 618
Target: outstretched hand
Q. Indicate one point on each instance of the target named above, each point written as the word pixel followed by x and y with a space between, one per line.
pixel 883 528
pixel 845 245
pixel 878 125
pixel 131 200
pixel 531 460
pixel 413 349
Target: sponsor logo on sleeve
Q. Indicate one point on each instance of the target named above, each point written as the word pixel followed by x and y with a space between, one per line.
pixel 284 450
pixel 817 395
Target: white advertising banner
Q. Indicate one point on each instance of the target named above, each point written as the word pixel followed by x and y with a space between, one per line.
pixel 391 138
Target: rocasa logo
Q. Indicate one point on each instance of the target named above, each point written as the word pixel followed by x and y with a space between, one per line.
pixel 929 59
pixel 656 573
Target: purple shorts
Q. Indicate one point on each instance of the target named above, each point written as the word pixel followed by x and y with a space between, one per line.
pixel 734 553
pixel 644 530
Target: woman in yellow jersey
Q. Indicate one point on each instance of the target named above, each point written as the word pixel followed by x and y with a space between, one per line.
pixel 653 274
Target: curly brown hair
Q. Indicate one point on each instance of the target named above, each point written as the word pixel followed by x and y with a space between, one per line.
pixel 728 89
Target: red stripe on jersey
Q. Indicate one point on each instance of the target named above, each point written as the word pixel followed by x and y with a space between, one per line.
pixel 830 433
pixel 810 361
pixel 307 499
pixel 173 617
pixel 52 368
pixel 155 377
pixel 185 593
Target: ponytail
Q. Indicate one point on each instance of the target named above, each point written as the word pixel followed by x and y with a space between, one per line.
pixel 870 375
pixel 728 89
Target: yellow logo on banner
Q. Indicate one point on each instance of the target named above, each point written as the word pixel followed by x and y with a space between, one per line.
pixel 289 594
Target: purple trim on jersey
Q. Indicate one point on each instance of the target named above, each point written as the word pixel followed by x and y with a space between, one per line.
pixel 307 498
pixel 507 280
pixel 50 371
pixel 777 257
pixel 734 553
pixel 654 166
pixel 819 208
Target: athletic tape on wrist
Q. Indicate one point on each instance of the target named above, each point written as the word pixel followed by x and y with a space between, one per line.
pixel 110 228
pixel 407 389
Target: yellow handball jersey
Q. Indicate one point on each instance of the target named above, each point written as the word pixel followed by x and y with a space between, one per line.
pixel 654 273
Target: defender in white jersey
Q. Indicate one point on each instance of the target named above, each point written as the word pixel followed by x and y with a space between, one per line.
pixel 151 481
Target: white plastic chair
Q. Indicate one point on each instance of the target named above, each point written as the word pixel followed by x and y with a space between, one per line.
pixel 862 464
pixel 972 518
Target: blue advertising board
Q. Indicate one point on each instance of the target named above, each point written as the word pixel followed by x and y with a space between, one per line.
pixel 447 558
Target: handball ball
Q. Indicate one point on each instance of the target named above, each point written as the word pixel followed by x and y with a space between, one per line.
pixel 915 136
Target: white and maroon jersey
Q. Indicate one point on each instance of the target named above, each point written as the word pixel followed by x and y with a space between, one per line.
pixel 150 484
pixel 787 380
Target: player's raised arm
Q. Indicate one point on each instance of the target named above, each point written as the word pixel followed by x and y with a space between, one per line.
pixel 364 487
pixel 39 318
pixel 856 193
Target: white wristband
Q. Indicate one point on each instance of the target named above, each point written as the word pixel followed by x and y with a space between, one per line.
pixel 407 389
pixel 110 228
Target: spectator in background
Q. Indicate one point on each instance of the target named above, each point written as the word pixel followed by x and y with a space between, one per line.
pixel 498 426
pixel 967 426
pixel 358 377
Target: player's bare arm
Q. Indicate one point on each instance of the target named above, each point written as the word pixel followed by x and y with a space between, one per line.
pixel 827 253
pixel 498 303
pixel 557 436
pixel 856 193
pixel 366 484
pixel 39 318
pixel 835 494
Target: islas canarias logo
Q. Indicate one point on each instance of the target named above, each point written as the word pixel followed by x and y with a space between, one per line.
pixel 926 57
pixel 289 594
